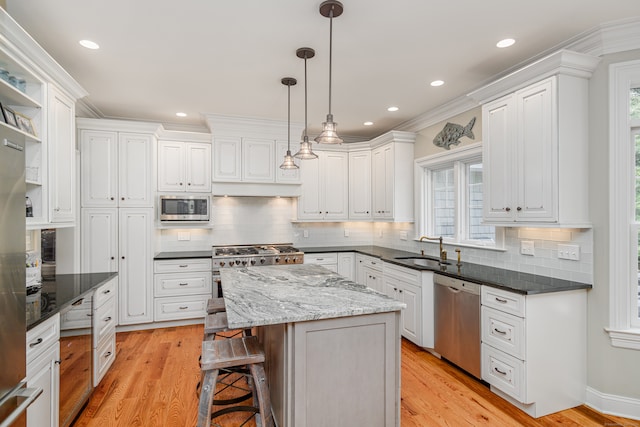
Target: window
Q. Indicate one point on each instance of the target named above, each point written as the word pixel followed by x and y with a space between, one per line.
pixel 624 205
pixel 450 191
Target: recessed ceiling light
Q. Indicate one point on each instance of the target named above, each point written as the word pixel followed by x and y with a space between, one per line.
pixel 180 114
pixel 505 43
pixel 392 109
pixel 89 44
pixel 368 123
pixel 437 83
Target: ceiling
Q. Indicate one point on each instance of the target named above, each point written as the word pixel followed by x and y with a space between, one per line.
pixel 158 57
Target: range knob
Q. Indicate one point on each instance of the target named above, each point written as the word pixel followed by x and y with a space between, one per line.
pixel 286 259
pixel 262 260
pixel 244 262
pixel 237 262
pixel 294 260
pixel 277 260
pixel 253 262
pixel 222 263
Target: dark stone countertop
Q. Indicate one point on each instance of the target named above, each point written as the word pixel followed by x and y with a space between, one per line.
pixel 61 290
pixel 181 255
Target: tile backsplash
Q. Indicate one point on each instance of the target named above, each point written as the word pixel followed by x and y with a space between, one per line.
pixel 247 220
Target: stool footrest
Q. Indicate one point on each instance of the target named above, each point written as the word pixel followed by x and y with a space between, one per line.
pixel 219 354
pixel 216 322
pixel 215 305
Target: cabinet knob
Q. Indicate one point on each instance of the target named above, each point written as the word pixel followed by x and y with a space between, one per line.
pixel 507 209
pixel 367 211
pixel 400 290
pixel 123 257
pixel 188 183
pixel 518 208
pixel 122 198
pixel 59 361
pixel 180 184
pixel 113 257
pixel 112 198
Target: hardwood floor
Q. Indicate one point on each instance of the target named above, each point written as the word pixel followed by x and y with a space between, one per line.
pixel 152 383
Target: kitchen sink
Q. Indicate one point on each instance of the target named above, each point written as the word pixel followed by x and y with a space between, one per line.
pixel 424 261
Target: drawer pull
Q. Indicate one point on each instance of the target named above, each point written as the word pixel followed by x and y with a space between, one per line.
pixel 183 284
pixel 183 265
pixel 107 354
pixel 501 301
pixel 499 371
pixel 184 307
pixel 373 263
pixel 38 341
pixel 108 291
pixel 77 302
pixel 108 319
pixel 499 331
pixel 90 315
pixel 319 259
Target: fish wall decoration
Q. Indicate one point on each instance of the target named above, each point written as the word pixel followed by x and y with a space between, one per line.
pixel 451 134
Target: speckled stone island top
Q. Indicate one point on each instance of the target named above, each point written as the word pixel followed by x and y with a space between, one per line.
pixel 269 295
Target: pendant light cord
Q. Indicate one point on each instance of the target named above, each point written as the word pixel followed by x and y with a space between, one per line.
pixel 288 118
pixel 330 52
pixel 305 94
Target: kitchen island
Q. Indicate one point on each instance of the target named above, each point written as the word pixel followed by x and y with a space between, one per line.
pixel 332 346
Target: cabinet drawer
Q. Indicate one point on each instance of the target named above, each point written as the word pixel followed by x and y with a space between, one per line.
pixel 177 308
pixel 104 357
pixel 105 292
pixel 179 265
pixel 322 259
pixel 79 316
pixel 508 302
pixel 503 331
pixel 503 372
pixel 182 284
pixel 368 261
pixel 42 336
pixel 105 321
pixel 402 273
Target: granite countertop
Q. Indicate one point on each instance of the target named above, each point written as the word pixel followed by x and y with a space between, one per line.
pixel 269 295
pixel 183 254
pixel 61 290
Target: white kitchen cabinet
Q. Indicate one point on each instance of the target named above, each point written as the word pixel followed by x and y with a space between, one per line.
pixel 347 265
pixel 360 185
pixel 99 240
pixel 116 169
pixel 534 348
pixel 535 138
pixel 182 288
pixel 325 187
pixel 105 319
pixel 227 159
pixel 369 272
pixel 328 260
pixel 43 371
pixel 62 156
pixel 392 177
pixel 409 292
pixel 258 160
pixel 184 166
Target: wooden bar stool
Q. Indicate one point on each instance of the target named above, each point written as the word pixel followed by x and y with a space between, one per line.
pixel 230 353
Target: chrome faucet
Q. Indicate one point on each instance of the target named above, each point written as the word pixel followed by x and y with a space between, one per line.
pixel 443 253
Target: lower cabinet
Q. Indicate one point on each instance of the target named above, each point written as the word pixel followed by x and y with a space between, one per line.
pixel 105 319
pixel 43 371
pixel 181 288
pixel 534 348
pixel 369 272
pixel 328 260
pixel 347 265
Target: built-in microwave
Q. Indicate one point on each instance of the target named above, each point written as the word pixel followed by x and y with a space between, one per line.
pixel 185 208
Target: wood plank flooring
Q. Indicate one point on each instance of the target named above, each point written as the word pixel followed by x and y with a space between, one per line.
pixel 152 383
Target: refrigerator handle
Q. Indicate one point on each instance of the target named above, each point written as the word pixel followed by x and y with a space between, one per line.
pixel 29 395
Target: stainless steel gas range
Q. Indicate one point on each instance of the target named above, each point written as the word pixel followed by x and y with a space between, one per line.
pixel 252 255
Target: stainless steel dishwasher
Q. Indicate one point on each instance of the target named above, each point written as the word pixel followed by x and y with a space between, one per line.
pixel 457 322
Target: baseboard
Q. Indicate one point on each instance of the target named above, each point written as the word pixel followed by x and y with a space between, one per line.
pixel 620 406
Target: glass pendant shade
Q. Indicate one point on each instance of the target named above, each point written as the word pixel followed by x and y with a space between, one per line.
pixel 305 152
pixel 329 134
pixel 288 162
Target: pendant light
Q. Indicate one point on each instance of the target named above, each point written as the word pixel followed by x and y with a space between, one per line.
pixel 305 152
pixel 330 9
pixel 288 158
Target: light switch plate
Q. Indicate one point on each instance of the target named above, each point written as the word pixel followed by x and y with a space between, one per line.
pixel 570 252
pixel 346 232
pixel 403 235
pixel 305 233
pixel 527 247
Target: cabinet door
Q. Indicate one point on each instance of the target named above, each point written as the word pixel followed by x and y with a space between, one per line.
pixel 198 167
pixel 335 184
pixel 380 181
pixel 171 164
pixel 287 176
pixel 136 266
pixel 227 159
pixel 44 373
pixel 135 170
pixel 258 163
pixel 99 252
pixel 411 315
pixel 537 153
pixel 62 156
pixel 347 265
pixel 498 172
pixel 98 169
pixel 373 279
pixel 360 185
pixel 309 201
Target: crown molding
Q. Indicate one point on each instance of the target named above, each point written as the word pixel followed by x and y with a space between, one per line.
pixel 444 112
pixel 117 125
pixel 251 127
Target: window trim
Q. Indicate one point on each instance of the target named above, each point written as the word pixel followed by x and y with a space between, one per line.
pixel 622 77
pixel 464 154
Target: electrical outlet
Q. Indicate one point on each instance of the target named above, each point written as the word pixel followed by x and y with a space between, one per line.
pixel 527 247
pixel 305 233
pixel 346 232
pixel 184 235
pixel 570 252
pixel 380 233
pixel 403 235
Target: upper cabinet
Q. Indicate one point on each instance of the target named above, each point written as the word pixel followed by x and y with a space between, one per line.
pixel 535 143
pixel 184 166
pixel 360 185
pixel 115 167
pixel 325 187
pixel 42 96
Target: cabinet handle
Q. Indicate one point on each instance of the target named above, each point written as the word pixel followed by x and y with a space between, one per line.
pixel 518 208
pixel 108 291
pixel 183 265
pixel 108 319
pixel 76 303
pixel 507 209
pixel 501 301
pixel 35 343
pixel 58 362
pixel 107 354
pixel 183 284
pixel 90 315
pixel 319 259
pixel 184 307
pixel 500 332
pixel 499 371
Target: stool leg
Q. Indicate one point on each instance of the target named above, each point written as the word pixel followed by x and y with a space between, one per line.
pixel 206 398
pixel 262 391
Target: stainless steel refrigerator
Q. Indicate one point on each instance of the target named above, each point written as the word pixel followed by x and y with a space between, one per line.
pixel 14 396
